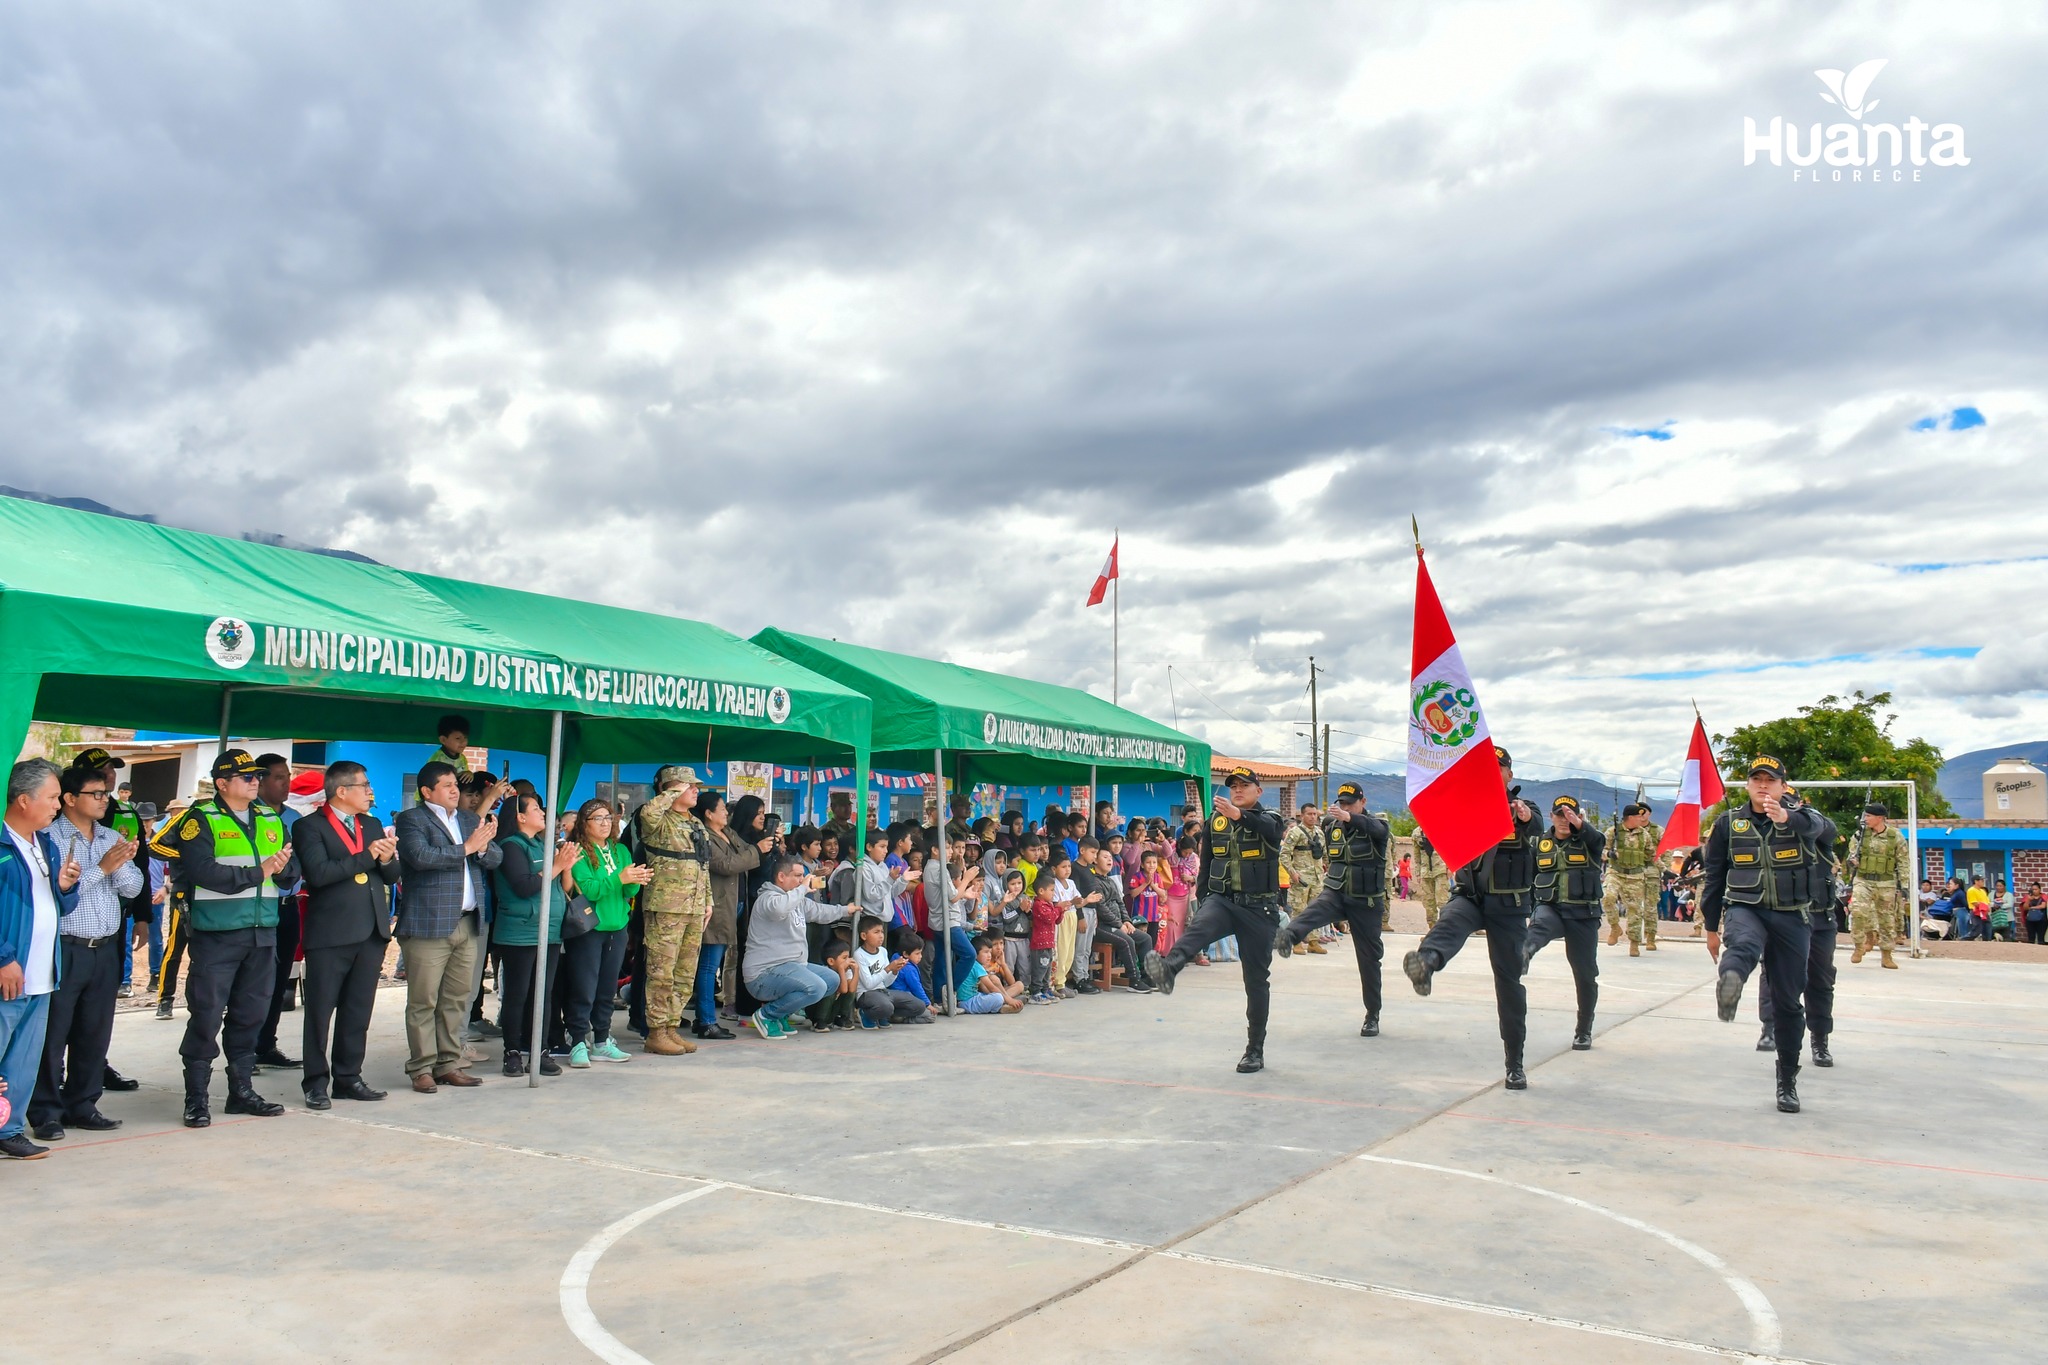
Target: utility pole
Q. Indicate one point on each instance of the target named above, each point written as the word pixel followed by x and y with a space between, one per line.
pixel 1326 763
pixel 1313 725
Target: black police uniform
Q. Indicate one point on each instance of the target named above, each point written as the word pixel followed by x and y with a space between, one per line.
pixel 227 988
pixel 1355 891
pixel 1820 958
pixel 1568 907
pixel 1240 881
pixel 1762 875
pixel 1494 892
pixel 282 989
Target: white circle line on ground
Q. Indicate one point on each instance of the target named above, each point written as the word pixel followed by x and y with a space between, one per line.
pixel 575 1287
pixel 1770 1335
pixel 1079 1142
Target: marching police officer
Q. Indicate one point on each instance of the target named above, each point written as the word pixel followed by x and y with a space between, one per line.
pixel 1240 881
pixel 1568 905
pixel 1759 867
pixel 232 856
pixel 1494 892
pixel 1354 889
pixel 1820 955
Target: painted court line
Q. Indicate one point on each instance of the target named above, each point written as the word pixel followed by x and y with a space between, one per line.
pixel 1770 1334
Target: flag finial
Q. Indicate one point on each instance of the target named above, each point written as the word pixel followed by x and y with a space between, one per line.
pixel 1415 529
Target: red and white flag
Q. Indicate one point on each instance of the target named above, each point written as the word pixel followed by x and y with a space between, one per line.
pixel 1454 786
pixel 1101 588
pixel 1699 786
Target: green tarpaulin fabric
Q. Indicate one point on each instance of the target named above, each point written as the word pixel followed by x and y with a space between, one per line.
pixel 1003 729
pixel 117 622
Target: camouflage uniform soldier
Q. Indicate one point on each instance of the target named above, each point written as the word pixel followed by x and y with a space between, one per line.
pixel 1301 854
pixel 1431 877
pixel 1610 905
pixel 675 905
pixel 1632 860
pixel 1877 896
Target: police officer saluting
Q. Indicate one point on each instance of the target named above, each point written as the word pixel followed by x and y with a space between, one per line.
pixel 1354 889
pixel 1568 905
pixel 1759 865
pixel 1494 892
pixel 1240 881
pixel 1820 954
pixel 231 857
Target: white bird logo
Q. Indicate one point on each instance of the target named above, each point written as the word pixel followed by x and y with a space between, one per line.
pixel 1848 91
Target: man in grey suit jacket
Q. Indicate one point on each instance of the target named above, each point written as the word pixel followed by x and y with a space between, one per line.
pixel 444 852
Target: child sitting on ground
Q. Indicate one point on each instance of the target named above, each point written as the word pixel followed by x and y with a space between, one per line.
pixel 837 1010
pixel 1045 927
pixel 875 972
pixel 909 978
pixel 982 992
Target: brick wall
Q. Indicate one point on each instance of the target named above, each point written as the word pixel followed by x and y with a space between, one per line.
pixel 1936 860
pixel 2029 865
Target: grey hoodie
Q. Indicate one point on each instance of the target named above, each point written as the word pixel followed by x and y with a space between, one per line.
pixel 776 931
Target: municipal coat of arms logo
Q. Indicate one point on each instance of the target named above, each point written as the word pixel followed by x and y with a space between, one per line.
pixel 230 642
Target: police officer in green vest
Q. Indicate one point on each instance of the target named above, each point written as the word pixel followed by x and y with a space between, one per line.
pixel 232 856
pixel 1354 889
pixel 1240 881
pixel 1759 866
pixel 125 821
pixel 1494 892
pixel 1568 905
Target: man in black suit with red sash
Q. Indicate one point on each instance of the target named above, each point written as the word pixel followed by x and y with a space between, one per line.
pixel 349 864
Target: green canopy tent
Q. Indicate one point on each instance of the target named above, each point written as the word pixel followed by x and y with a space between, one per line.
pixel 995 728
pixel 111 621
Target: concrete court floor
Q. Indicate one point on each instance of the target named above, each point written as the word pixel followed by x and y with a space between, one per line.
pixel 1092 1180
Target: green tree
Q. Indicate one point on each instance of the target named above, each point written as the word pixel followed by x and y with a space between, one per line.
pixel 1837 740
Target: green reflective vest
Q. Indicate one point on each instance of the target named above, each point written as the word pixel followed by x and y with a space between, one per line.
pixel 256 907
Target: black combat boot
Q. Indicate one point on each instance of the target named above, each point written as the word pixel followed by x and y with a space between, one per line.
pixel 242 1096
pixel 1370 1028
pixel 1821 1055
pixel 1517 1078
pixel 1254 1058
pixel 1582 1036
pixel 198 1076
pixel 1767 1041
pixel 1159 972
pixel 1727 995
pixel 1420 969
pixel 1788 1088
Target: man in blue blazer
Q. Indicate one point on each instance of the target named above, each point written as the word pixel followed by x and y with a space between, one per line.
pixel 38 887
pixel 444 852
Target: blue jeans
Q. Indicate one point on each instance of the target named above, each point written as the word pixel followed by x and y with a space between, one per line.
pixel 782 990
pixel 704 1001
pixel 963 958
pixel 22 1021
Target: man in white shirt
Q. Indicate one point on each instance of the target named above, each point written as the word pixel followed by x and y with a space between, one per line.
pixel 38 886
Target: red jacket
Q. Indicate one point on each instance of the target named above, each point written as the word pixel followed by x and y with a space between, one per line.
pixel 1045 921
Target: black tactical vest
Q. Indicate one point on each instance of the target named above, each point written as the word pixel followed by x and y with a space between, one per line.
pixel 1567 873
pixel 1769 867
pixel 1243 861
pixel 1358 862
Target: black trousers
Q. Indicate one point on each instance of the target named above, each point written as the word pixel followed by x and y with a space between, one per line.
pixel 1820 981
pixel 515 964
pixel 1363 915
pixel 1581 935
pixel 80 1026
pixel 590 980
pixel 1506 923
pixel 1220 917
pixel 227 991
pixel 287 954
pixel 1782 942
pixel 176 933
pixel 1127 950
pixel 341 990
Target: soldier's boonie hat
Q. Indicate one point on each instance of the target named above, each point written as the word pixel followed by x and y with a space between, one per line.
pixel 676 775
pixel 96 759
pixel 1351 791
pixel 1878 808
pixel 236 763
pixel 1565 803
pixel 1241 774
pixel 1500 756
pixel 1765 764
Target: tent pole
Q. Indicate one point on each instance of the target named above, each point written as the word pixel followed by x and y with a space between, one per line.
pixel 227 711
pixel 945 876
pixel 547 895
pixel 810 791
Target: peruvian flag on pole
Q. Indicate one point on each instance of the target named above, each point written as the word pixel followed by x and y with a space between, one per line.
pixel 1454 786
pixel 1101 588
pixel 1699 786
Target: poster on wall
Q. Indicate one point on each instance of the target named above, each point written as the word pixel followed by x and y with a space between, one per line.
pixel 750 779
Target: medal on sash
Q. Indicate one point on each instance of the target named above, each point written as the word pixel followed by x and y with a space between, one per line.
pixel 352 842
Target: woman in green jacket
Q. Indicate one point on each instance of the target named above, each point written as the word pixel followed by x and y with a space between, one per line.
pixel 519 881
pixel 605 875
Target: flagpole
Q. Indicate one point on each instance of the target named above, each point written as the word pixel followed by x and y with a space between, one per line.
pixel 1116 602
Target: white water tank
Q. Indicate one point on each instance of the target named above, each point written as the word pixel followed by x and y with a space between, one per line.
pixel 2015 789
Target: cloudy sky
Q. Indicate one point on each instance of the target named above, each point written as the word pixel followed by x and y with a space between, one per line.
pixel 873 320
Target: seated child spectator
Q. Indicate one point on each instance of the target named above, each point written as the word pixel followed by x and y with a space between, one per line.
pixel 880 1004
pixel 1128 943
pixel 1045 923
pixel 981 992
pixel 837 1010
pixel 778 944
pixel 910 976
